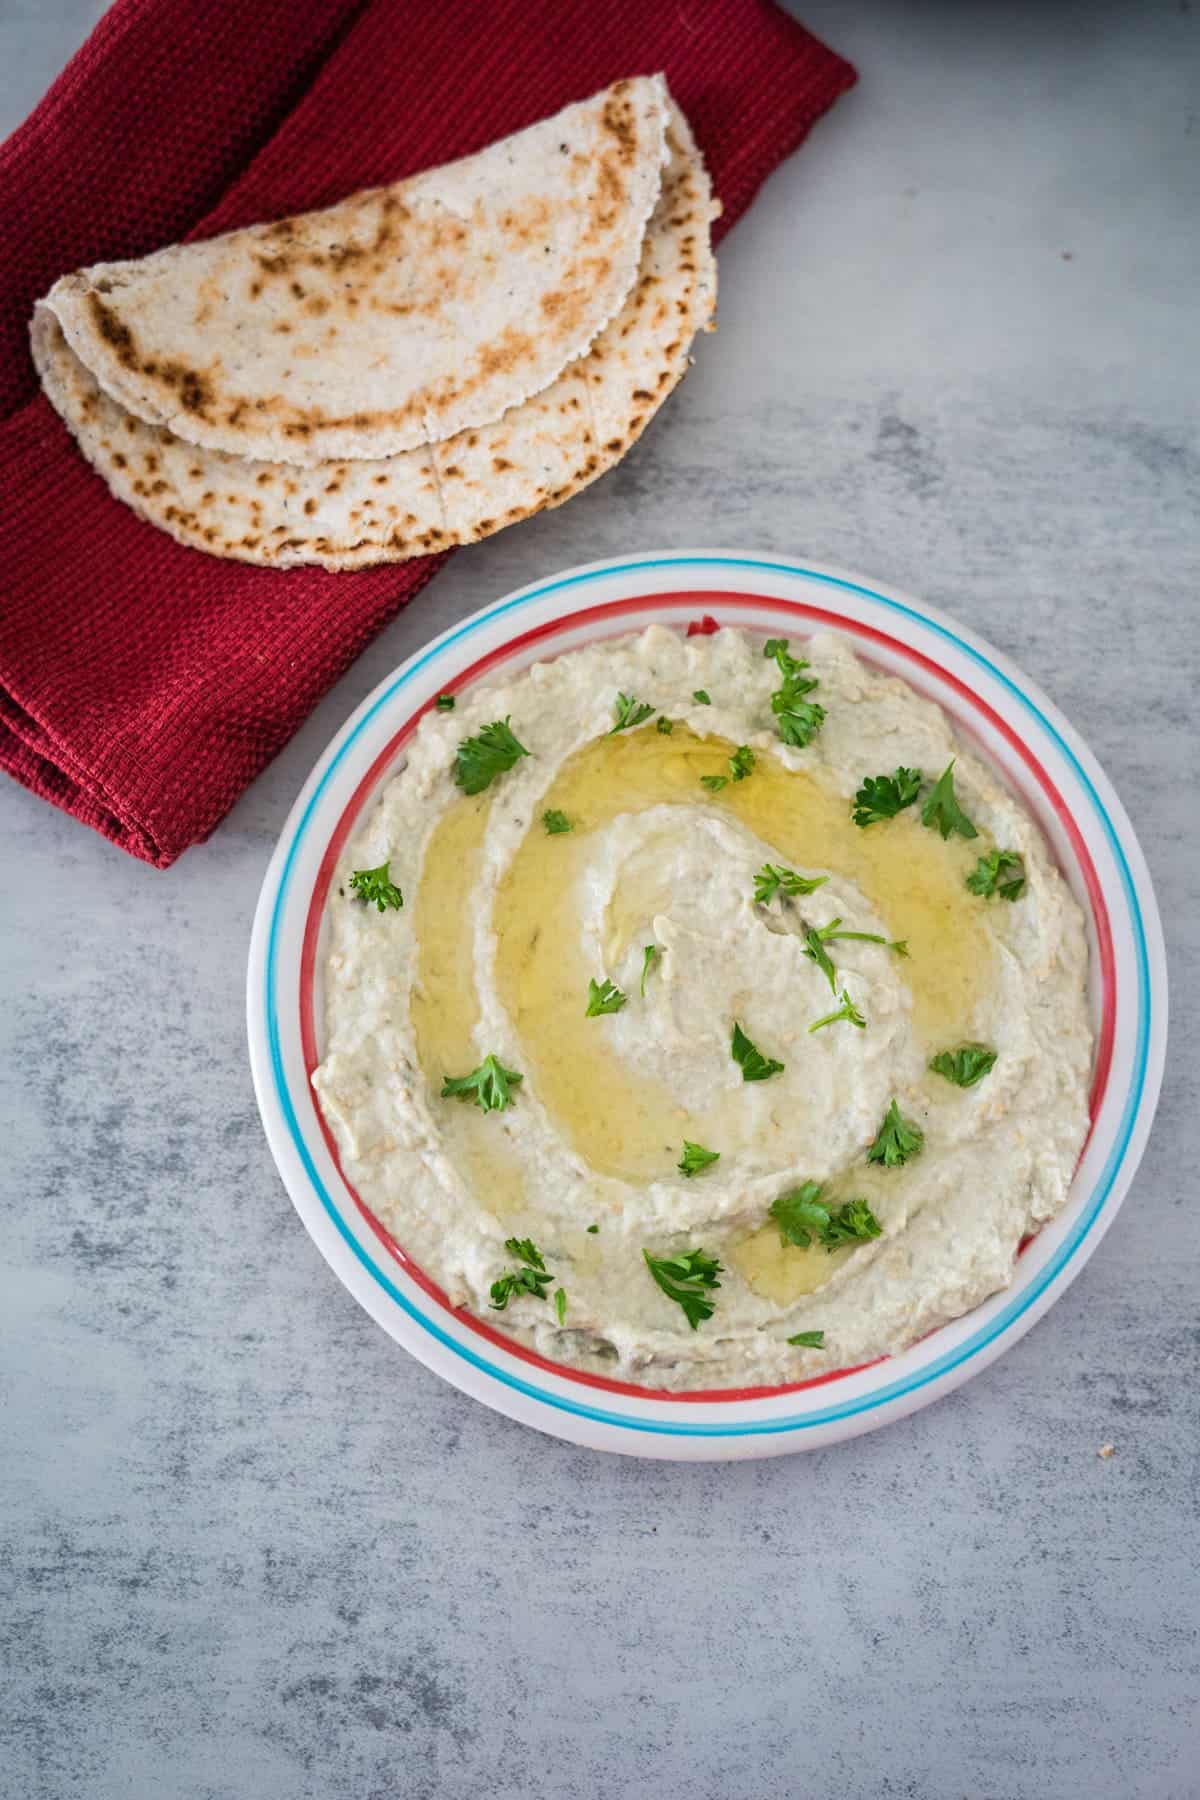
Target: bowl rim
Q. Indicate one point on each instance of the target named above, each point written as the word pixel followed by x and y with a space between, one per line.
pixel 749 1420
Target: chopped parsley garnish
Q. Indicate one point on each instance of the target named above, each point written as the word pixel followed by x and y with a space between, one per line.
pixel 604 997
pixel 518 1281
pixel 487 1085
pixel 560 1304
pixel 883 796
pixel 803 1218
pixel 742 762
pixel 941 811
pixel 847 1010
pixel 555 822
pixel 695 1158
pixel 809 1340
pixel 649 956
pixel 753 1064
pixel 665 725
pixel 800 1215
pixel 897 1139
pixel 816 952
pixel 829 934
pixel 445 702
pixel 999 872
pixel 850 1224
pixel 772 880
pixel 702 697
pixel 593 1229
pixel 629 711
pixel 532 1277
pixel 376 887
pixel 797 720
pixel 964 1066
pixel 714 783
pixel 478 760
pixel 776 650
pixel 683 1278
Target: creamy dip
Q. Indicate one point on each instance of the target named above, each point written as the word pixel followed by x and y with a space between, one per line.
pixel 505 924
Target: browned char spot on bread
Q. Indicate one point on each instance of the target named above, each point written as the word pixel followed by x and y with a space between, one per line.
pixel 113 330
pixel 193 388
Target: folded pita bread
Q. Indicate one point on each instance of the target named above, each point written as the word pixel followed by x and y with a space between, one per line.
pixel 398 317
pixel 351 512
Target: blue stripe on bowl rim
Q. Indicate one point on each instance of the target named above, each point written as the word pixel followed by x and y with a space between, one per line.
pixel 880 1396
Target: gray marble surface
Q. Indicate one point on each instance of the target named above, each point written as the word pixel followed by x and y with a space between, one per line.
pixel 250 1550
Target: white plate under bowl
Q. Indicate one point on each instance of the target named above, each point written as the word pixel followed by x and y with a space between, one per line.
pixel 994 707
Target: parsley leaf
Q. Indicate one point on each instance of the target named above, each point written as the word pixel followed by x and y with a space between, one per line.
pixel 896 1140
pixel 649 955
pixel 999 872
pixel 828 934
pixel 850 1224
pixel 753 1064
pixel 629 711
pixel 478 760
pixel 532 1278
pixel 772 879
pixel 776 649
pixel 883 796
pixel 702 697
pixel 665 725
pixel 714 783
pixel 803 1216
pixel 593 1229
pixel 683 1279
pixel 809 1340
pixel 797 720
pixel 487 1085
pixel 603 997
pixel 375 886
pixel 941 811
pixel 964 1066
pixel 847 1010
pixel 816 952
pixel 445 702
pixel 800 1214
pixel 560 1304
pixel 527 1251
pixel 742 762
pixel 555 822
pixel 517 1281
pixel 695 1158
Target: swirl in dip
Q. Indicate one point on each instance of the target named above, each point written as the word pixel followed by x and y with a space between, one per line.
pixel 858 1196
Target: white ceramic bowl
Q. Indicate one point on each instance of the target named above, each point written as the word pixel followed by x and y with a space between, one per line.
pixel 1006 719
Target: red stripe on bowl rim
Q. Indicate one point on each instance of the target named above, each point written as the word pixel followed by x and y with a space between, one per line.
pixel 600 614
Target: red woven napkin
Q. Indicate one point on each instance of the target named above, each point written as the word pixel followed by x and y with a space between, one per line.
pixel 143 685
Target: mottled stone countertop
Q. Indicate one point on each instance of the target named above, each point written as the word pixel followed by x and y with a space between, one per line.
pixel 250 1550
